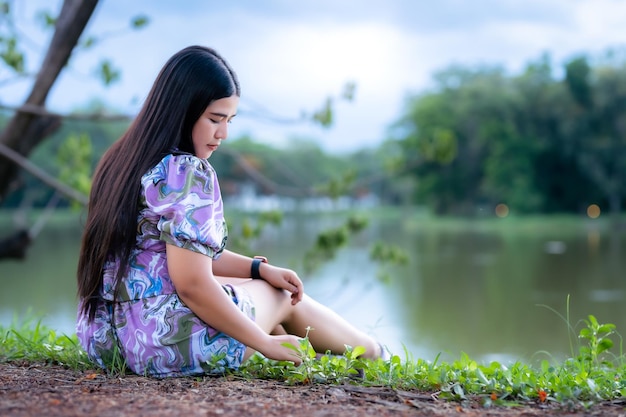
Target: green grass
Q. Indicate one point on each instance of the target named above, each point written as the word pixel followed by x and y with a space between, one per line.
pixel 36 343
pixel 516 226
pixel 592 374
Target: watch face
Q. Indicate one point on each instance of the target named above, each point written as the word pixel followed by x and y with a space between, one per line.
pixel 262 258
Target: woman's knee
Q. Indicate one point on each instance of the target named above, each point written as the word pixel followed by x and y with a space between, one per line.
pixel 283 298
pixel 268 298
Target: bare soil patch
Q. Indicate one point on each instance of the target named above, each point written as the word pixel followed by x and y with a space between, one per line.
pixel 41 390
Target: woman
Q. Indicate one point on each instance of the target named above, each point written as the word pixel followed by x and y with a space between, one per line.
pixel 154 278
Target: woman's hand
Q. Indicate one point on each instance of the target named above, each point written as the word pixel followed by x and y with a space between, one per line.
pixel 274 348
pixel 283 278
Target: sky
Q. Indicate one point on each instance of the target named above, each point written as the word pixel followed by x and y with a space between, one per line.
pixel 290 55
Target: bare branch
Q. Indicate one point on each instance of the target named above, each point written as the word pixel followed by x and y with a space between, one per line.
pixel 24 130
pixel 42 111
pixel 263 180
pixel 42 175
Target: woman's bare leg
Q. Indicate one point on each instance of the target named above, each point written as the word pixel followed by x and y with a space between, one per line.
pixel 329 331
pixel 278 329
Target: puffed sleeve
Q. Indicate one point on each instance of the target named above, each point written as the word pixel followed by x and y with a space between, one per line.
pixel 184 193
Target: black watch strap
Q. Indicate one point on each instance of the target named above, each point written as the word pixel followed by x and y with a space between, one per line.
pixel 254 269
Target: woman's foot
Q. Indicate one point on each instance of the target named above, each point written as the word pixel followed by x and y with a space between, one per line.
pixel 385 354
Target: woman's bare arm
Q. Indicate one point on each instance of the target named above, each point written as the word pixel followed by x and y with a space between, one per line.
pixel 231 264
pixel 192 276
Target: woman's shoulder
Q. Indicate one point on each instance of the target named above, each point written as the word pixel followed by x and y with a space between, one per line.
pixel 181 164
pixel 186 160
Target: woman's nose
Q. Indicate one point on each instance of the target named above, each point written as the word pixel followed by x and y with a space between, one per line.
pixel 222 131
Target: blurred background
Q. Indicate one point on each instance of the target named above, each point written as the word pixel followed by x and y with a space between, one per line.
pixel 449 176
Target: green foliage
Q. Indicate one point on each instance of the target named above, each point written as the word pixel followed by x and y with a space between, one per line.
pixel 107 73
pixel 37 343
pixel 139 21
pixel 242 235
pixel 324 116
pixel 533 141
pixel 299 169
pixel 77 145
pixel 328 368
pixel 598 341
pixel 329 241
pixel 337 187
pixel 591 376
pixel 315 368
pixel 387 255
pixel 115 363
pixel 47 20
pixel 87 42
pixel 577 73
pixel 11 55
pixel 74 159
pixel 440 147
pixel 349 90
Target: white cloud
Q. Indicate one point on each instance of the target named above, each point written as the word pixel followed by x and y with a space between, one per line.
pixel 291 55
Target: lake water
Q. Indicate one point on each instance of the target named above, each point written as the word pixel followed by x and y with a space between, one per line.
pixel 485 287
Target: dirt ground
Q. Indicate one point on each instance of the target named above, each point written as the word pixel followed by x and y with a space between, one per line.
pixel 38 390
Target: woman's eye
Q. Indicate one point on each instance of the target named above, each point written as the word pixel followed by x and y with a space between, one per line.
pixel 218 121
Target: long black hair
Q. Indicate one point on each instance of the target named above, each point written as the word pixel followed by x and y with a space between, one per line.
pixel 190 80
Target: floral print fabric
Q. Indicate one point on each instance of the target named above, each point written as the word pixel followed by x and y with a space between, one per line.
pixel 156 333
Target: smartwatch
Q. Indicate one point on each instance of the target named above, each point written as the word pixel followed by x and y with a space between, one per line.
pixel 254 269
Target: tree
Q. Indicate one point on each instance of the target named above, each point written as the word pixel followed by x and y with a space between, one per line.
pixel 534 142
pixel 31 123
pixel 600 103
pixel 448 135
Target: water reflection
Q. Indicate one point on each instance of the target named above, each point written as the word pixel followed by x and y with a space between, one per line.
pixel 491 292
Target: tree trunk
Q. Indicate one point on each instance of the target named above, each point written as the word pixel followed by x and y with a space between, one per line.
pixel 26 130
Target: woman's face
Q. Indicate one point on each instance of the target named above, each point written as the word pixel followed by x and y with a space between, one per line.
pixel 212 126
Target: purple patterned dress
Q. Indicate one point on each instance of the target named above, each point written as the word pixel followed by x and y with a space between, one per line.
pixel 156 333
